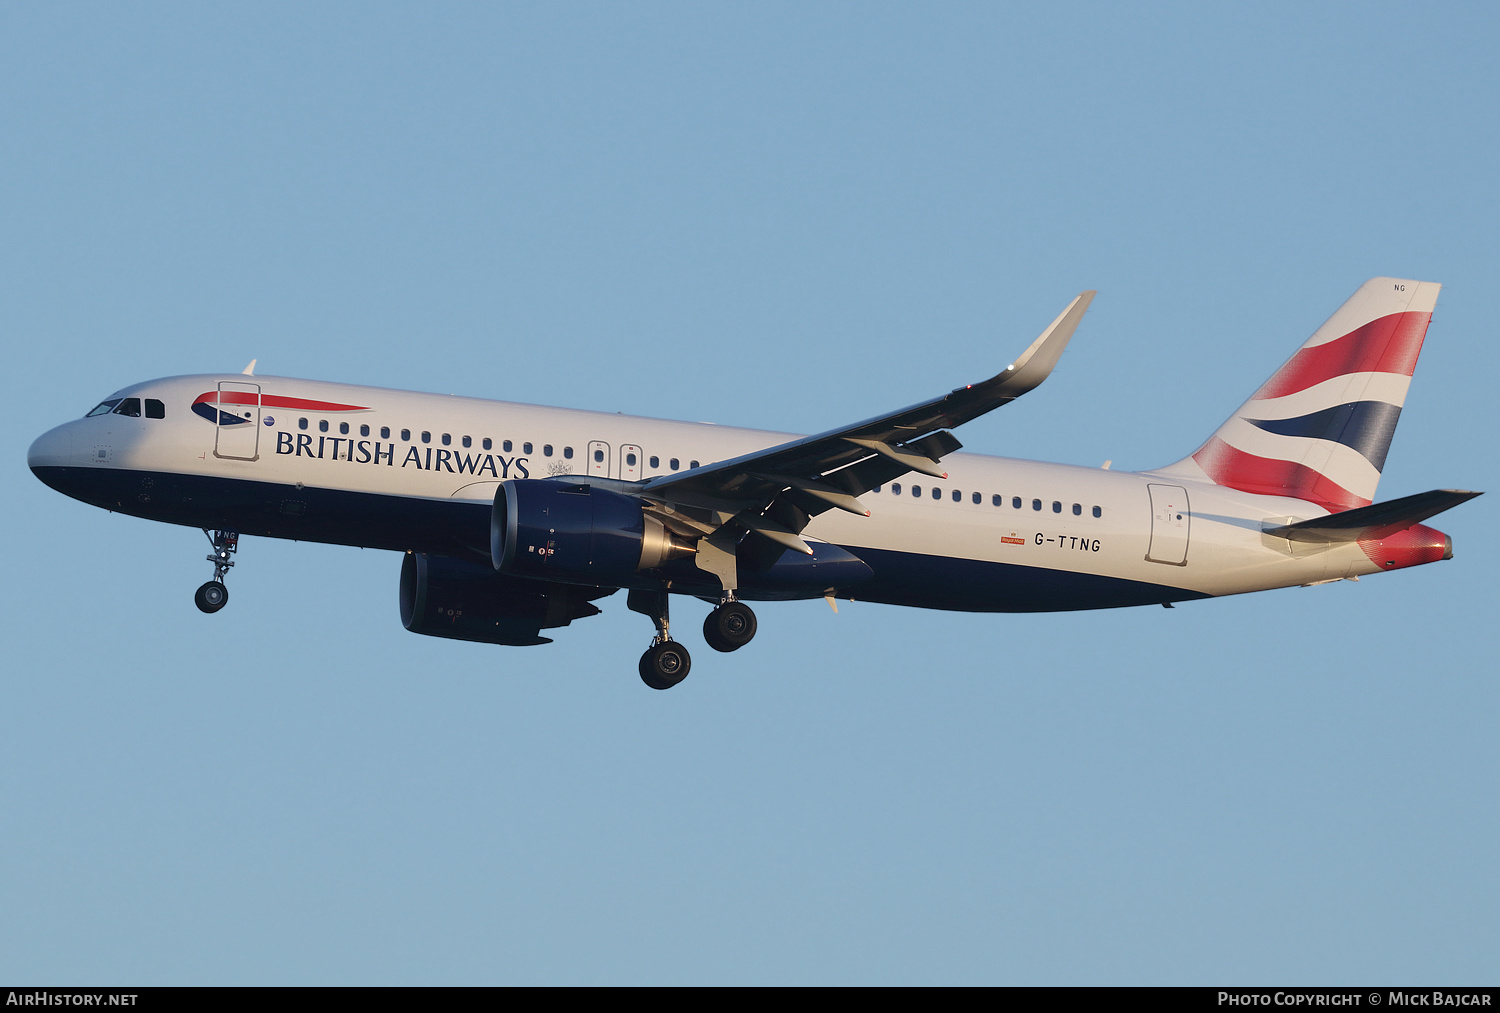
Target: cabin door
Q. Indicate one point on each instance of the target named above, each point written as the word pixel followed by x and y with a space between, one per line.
pixel 238 431
pixel 1170 521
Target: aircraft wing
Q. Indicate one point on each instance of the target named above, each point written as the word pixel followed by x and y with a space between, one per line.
pixel 776 491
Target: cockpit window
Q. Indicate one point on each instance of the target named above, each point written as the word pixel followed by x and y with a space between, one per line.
pixel 155 409
pixel 130 406
pixel 103 408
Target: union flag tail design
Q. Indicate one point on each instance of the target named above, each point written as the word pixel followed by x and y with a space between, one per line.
pixel 1320 427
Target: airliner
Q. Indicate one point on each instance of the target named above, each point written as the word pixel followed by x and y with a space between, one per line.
pixel 514 519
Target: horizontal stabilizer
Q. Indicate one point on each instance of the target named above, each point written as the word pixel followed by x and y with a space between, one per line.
pixel 1378 520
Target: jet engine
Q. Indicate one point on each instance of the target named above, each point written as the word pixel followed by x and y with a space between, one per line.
pixel 578 533
pixel 446 597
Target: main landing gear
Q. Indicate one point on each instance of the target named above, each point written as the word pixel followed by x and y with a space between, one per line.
pixel 214 595
pixel 666 662
pixel 730 626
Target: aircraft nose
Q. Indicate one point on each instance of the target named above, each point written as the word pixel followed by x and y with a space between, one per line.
pixel 52 449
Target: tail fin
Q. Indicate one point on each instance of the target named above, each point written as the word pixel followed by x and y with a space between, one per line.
pixel 1319 428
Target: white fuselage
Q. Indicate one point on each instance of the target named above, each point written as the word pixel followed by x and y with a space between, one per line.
pixel 1196 538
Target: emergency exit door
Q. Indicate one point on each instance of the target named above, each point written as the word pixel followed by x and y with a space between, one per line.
pixel 630 463
pixel 599 459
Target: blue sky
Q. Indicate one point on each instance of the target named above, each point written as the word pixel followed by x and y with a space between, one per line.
pixel 786 216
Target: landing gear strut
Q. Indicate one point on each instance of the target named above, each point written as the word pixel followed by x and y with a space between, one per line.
pixel 214 595
pixel 666 662
pixel 730 626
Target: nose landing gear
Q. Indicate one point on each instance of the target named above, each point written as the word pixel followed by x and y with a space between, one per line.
pixel 214 595
pixel 211 597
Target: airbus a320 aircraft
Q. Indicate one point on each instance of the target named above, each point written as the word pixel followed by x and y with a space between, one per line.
pixel 514 518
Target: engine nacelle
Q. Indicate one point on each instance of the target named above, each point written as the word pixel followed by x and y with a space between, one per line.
pixel 578 533
pixel 454 598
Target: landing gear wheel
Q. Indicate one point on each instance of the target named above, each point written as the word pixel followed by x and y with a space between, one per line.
pixel 214 595
pixel 665 665
pixel 211 597
pixel 729 627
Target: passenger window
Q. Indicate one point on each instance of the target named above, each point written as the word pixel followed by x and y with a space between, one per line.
pixel 599 456
pixel 978 499
pixel 468 441
pixel 630 460
pixel 301 423
pixel 343 428
pixel 546 450
pixel 916 490
pixel 1015 502
pixel 656 462
pixel 1036 504
pixel 568 453
pixel 1098 512
pixel 155 409
pixel 876 489
pixel 1077 510
pixel 1056 507
pixel 506 445
pixel 997 499
pixel 322 425
pixel 487 444
pixel 130 406
pixel 692 464
pixel 937 493
pixel 426 436
pixel 406 435
pixel 385 432
pixel 895 488
pixel 447 440
pixel 674 464
pixel 364 430
pixel 958 497
pixel 525 448
pixel 103 408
